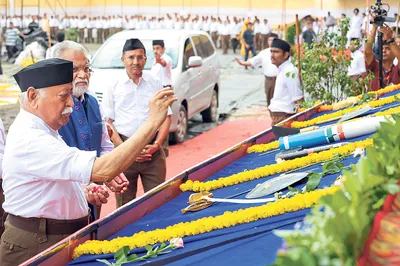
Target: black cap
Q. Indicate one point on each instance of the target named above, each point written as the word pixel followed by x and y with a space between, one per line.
pixel 281 44
pixel 158 42
pixel 133 44
pixel 45 73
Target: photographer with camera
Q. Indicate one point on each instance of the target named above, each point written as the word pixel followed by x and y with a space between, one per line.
pixel 390 52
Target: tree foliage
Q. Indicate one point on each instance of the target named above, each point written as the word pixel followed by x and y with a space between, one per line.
pixel 324 68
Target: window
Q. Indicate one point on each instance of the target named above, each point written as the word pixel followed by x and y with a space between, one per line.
pixel 208 47
pixel 199 47
pixel 188 53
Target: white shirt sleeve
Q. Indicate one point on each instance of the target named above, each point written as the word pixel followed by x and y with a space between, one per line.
pixel 256 60
pixel 67 163
pixel 106 144
pixel 294 87
pixel 2 146
pixel 108 103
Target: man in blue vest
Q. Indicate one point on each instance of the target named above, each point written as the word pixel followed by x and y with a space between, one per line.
pixel 86 129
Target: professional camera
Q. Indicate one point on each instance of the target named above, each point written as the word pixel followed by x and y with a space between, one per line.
pixel 380 14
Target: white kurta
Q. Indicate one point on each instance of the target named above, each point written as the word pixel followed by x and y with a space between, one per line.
pixel 42 176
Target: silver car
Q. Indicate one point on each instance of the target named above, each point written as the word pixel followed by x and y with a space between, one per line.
pixel 195 72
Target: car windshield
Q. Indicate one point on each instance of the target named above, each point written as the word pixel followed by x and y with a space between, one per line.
pixel 110 54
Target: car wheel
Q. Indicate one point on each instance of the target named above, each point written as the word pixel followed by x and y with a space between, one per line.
pixel 211 113
pixel 182 127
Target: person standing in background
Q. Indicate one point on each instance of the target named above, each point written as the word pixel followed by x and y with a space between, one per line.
pixel 126 114
pixel 235 32
pixel 11 40
pixel 309 35
pixel 106 28
pixel 214 31
pixel 265 31
pixel 270 71
pixel 224 35
pixel 287 91
pixel 330 22
pixel 356 25
pixel 248 38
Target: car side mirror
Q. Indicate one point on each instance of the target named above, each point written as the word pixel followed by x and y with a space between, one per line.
pixel 195 61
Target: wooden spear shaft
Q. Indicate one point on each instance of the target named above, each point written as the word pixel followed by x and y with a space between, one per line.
pixel 298 47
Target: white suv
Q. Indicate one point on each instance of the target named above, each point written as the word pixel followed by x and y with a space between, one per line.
pixel 195 72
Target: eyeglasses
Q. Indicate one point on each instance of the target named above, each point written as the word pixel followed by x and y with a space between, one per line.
pixel 132 58
pixel 87 69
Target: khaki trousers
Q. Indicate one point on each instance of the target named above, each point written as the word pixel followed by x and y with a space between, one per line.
pixel 214 37
pixel 225 43
pixel 18 245
pixel 278 117
pixel 81 35
pixel 152 173
pixel 264 41
pixel 106 34
pixel 269 87
pixel 258 41
pixel 99 35
pixel 90 36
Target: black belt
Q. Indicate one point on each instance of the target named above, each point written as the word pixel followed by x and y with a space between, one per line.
pixel 53 227
pixel 124 138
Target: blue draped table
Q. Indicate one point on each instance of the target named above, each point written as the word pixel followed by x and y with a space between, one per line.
pixel 248 244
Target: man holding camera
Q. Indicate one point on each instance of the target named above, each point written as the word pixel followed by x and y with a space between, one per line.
pixel 390 52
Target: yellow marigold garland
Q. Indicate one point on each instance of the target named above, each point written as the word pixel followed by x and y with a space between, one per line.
pixel 394 110
pixel 329 107
pixel 263 147
pixel 272 169
pixel 204 225
pixel 322 118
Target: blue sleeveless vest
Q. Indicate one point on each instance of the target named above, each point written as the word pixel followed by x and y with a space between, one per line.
pixel 84 130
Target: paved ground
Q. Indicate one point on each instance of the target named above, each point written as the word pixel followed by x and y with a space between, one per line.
pixel 242 111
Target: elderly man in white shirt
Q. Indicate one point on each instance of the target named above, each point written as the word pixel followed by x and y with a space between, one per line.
pixel 42 176
pixel 287 92
pixel 125 104
pixel 270 71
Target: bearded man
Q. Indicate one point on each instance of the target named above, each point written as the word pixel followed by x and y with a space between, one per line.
pixel 86 129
